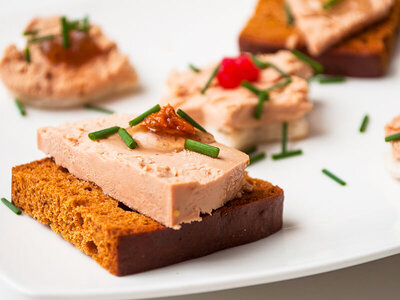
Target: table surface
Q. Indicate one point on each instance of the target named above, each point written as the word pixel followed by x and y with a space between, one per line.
pixel 374 280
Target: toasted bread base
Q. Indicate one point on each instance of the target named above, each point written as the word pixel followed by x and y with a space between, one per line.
pixel 126 242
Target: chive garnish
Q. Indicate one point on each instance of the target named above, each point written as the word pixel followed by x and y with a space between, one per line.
pixel 126 137
pixel 194 68
pixel 99 109
pixel 213 74
pixel 263 65
pixel 246 84
pixel 256 158
pixel 364 123
pixel 287 154
pixel 334 177
pixel 279 85
pixel 331 79
pixel 30 32
pixel 41 39
pixel 20 107
pixel 289 15
pixel 11 206
pixel 262 97
pixel 188 118
pixel 251 150
pixel 318 68
pixel 101 134
pixel 284 136
pixel 64 31
pixel 202 148
pixel 393 137
pixel 27 55
pixel 328 4
pixel 85 24
pixel 143 116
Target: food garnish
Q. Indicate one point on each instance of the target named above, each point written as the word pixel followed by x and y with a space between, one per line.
pixel 41 39
pixel 318 68
pixel 364 123
pixel 101 134
pixel 284 137
pixel 251 150
pixel 27 55
pixel 141 117
pixel 20 107
pixel 201 148
pixel 30 32
pixel 287 154
pixel 208 83
pixel 328 4
pixel 322 79
pixel 126 137
pixel 289 15
pixel 65 31
pixel 256 158
pixel 334 177
pixel 188 118
pixel 11 206
pixel 99 109
pixel 194 68
pixel 393 137
pixel 262 97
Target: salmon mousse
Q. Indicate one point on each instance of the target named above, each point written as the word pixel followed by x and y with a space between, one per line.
pixel 164 167
pixel 392 131
pixel 65 63
pixel 245 100
pixel 324 23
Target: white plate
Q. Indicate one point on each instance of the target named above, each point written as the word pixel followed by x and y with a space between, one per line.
pixel 326 226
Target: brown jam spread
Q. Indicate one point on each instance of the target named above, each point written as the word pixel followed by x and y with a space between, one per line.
pixel 167 121
pixel 82 49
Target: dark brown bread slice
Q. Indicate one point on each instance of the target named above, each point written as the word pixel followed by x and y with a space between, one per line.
pixel 126 242
pixel 365 54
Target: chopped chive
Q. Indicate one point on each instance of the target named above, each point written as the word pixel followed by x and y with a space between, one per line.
pixel 328 4
pixel 20 107
pixel 263 65
pixel 188 118
pixel 126 137
pixel 289 15
pixel 99 109
pixel 11 206
pixel 202 148
pixel 287 154
pixel 256 158
pixel 143 116
pixel 30 32
pixel 65 31
pixel 280 85
pixel 364 123
pixel 251 150
pixel 85 24
pixel 246 84
pixel 101 134
pixel 318 68
pixel 262 97
pixel 393 137
pixel 330 79
pixel 194 68
pixel 213 74
pixel 41 39
pixel 284 136
pixel 27 55
pixel 334 177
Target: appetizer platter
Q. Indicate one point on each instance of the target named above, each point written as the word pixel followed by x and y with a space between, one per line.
pixel 142 160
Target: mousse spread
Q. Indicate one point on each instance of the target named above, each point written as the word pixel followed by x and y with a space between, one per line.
pixel 323 25
pixel 160 177
pixel 227 105
pixel 394 128
pixel 65 63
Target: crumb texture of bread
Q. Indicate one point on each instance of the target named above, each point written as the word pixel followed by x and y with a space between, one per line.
pixel 365 54
pixel 126 242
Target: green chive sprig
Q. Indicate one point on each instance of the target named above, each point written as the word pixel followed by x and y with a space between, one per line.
pixel 289 15
pixel 208 83
pixel 11 206
pixel 202 148
pixel 318 68
pixel 257 157
pixel 188 118
pixel 334 177
pixel 194 68
pixel 364 124
pixel 331 79
pixel 30 32
pixel 126 137
pixel 280 85
pixel 328 4
pixel 251 150
pixel 27 55
pixel 248 85
pixel 85 24
pixel 101 134
pixel 287 154
pixel 393 137
pixel 20 107
pixel 284 136
pixel 99 109
pixel 262 97
pixel 143 116
pixel 65 32
pixel 263 65
pixel 41 39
